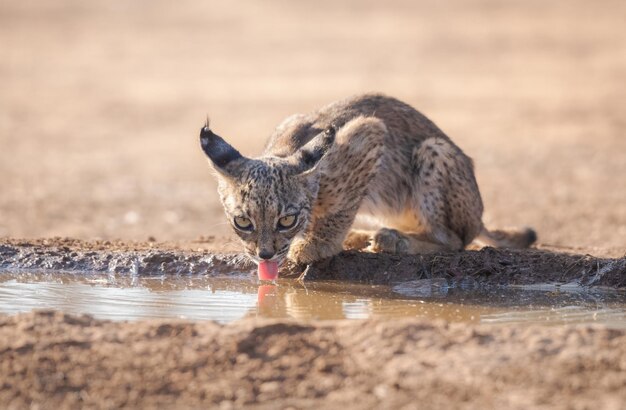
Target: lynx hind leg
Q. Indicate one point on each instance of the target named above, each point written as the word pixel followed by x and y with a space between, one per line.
pixel 447 195
pixel 357 239
pixel 349 168
pixel 393 241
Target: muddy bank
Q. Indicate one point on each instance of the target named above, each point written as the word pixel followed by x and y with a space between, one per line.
pixel 54 360
pixel 485 266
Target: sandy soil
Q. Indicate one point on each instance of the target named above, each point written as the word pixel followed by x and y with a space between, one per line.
pixel 102 101
pixel 52 360
pixel 100 105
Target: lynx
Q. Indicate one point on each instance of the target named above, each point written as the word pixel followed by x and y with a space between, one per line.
pixel 370 156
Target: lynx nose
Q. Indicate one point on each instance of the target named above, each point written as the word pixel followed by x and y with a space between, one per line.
pixel 265 254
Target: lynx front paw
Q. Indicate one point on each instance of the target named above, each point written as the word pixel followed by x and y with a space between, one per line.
pixel 390 241
pixel 307 252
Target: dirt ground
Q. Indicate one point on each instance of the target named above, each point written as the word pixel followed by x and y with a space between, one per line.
pixel 52 360
pixel 100 106
pixel 102 101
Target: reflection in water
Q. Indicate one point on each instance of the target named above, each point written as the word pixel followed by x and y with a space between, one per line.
pixel 128 297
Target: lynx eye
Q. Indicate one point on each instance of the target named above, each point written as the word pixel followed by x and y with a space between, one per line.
pixel 287 222
pixel 243 223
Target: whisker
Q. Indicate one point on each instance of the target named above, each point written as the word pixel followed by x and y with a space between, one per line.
pixel 217 224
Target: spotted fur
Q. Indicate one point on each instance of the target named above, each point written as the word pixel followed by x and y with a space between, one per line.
pixel 371 156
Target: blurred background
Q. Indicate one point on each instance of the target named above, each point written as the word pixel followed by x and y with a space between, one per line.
pixel 101 103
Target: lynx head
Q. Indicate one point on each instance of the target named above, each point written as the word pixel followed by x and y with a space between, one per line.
pixel 267 200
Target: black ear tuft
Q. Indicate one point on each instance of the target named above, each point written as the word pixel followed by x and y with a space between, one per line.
pixel 219 151
pixel 331 131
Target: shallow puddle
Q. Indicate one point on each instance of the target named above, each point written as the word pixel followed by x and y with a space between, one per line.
pixel 124 297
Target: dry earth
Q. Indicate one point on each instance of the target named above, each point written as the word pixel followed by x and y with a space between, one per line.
pixel 100 105
pixel 102 101
pixel 52 360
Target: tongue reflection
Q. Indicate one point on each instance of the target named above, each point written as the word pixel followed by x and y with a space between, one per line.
pixel 268 270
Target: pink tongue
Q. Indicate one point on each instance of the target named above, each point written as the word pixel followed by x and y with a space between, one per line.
pixel 268 270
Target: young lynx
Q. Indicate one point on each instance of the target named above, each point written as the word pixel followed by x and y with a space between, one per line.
pixel 369 155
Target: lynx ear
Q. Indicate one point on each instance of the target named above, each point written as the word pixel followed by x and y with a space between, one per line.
pixel 307 157
pixel 219 151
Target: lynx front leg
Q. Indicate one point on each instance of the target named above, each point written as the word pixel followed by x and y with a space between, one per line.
pixel 324 241
pixel 347 171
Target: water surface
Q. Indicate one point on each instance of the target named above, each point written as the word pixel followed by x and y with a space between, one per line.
pixel 224 299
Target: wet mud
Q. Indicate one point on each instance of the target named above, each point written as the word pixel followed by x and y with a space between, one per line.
pixel 486 266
